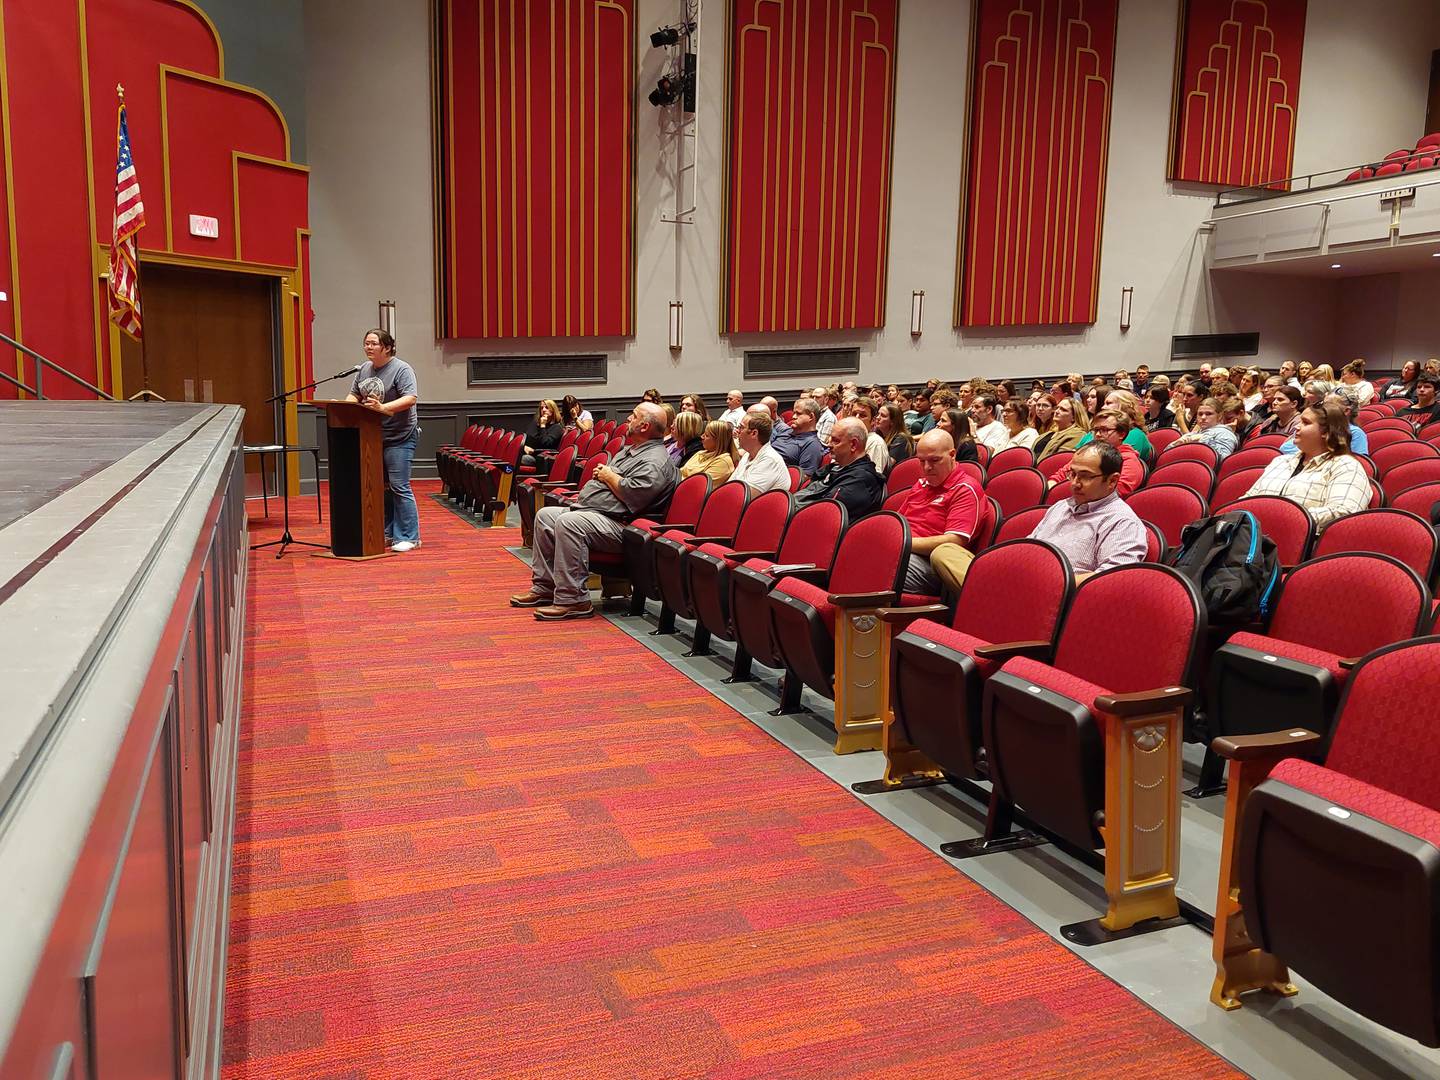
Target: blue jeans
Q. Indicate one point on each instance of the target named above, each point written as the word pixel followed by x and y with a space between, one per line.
pixel 402 516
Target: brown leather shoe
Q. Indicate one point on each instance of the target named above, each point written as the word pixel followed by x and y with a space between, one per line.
pixel 529 599
pixel 555 612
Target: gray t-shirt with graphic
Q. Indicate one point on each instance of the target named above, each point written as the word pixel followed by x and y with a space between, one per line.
pixel 398 378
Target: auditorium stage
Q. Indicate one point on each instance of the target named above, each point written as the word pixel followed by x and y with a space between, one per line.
pixel 122 581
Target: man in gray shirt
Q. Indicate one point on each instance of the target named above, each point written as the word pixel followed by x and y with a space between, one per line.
pixel 639 477
pixel 395 401
pixel 1095 528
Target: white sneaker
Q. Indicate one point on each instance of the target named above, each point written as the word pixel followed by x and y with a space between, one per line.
pixel 405 545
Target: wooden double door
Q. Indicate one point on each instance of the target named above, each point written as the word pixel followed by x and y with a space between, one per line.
pixel 210 335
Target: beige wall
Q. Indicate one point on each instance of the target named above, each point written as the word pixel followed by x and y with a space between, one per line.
pixel 368 116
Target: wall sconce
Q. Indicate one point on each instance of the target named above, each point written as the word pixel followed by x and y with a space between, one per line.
pixel 387 317
pixel 1127 301
pixel 917 311
pixel 677 325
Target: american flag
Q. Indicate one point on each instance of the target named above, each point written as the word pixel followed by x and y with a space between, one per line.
pixel 129 219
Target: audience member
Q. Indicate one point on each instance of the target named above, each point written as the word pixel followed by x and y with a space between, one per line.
pixel 1251 388
pixel 989 431
pixel 1426 409
pixel 875 447
pixel 1094 527
pixel 1016 418
pixel 801 447
pixel 694 403
pixel 689 427
pixel 778 426
pixel 717 455
pixel 1305 372
pixel 652 395
pixel 1042 412
pixel 1187 395
pixel 1326 479
pixel 574 414
pixel 1353 376
pixel 1344 397
pixel 890 426
pixel 1287 373
pixel 826 398
pixel 851 478
pixel 1130 405
pixel 956 423
pixel 1110 427
pixel 1142 379
pixel 943 510
pixel 639 477
pixel 734 408
pixel 1215 426
pixel 759 465
pixel 1404 386
pixel 1071 424
pixel 941 399
pixel 1325 372
pixel 544 433
pixel 1157 409
pixel 1284 418
pixel 919 410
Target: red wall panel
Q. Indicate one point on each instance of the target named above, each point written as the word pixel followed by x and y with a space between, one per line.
pixel 172 34
pixel 811 117
pixel 1039 139
pixel 537 135
pixel 205 122
pixel 273 203
pixel 52 209
pixel 1237 91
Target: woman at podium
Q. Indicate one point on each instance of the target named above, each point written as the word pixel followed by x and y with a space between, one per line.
pixel 386 384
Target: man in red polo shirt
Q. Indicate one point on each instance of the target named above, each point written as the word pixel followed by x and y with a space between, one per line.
pixel 943 510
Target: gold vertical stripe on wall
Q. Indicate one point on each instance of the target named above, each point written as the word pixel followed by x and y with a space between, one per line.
pixel 10 200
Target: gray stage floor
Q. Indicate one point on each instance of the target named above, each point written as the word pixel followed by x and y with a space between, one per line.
pixel 50 446
pixel 1308 1037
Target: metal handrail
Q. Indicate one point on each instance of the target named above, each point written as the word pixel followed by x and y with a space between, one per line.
pixel 41 363
pixel 1268 190
pixel 19 385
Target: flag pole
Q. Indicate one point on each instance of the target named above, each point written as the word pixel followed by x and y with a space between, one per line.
pixel 144 351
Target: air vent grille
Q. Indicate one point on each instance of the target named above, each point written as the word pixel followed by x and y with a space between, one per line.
pixel 760 363
pixel 536 370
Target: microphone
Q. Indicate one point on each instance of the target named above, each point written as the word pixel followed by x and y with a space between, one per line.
pixel 347 371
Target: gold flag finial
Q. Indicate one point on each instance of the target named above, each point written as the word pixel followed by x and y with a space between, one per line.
pixel 120 92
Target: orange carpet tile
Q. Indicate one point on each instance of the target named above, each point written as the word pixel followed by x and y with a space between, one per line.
pixel 473 845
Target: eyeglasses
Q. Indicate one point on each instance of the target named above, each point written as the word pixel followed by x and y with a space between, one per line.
pixel 1082 477
pixel 1104 430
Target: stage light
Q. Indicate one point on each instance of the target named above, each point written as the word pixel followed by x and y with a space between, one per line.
pixel 677 325
pixel 667 91
pixel 666 35
pixel 917 312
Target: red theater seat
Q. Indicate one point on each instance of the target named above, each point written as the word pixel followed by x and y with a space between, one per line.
pixel 637 555
pixel 938 669
pixel 814 625
pixel 1065 739
pixel 708 566
pixel 1334 870
pixel 1281 519
pixel 719 521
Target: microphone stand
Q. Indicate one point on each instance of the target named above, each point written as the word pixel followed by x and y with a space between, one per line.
pixel 286 540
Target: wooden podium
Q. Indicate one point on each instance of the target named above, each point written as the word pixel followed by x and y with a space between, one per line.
pixel 357 480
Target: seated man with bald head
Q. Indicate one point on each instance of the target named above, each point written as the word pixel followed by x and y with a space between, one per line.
pixel 637 479
pixel 851 478
pixel 943 510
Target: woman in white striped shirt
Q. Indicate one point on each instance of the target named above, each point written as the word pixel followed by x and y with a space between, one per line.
pixel 1327 480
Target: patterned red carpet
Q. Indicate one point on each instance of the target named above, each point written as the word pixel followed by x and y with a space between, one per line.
pixel 472 845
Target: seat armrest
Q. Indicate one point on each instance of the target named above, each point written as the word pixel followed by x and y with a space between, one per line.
pixel 1162 699
pixel 862 600
pixel 553 483
pixel 804 573
pixel 1269 744
pixel 1350 662
pixel 679 526
pixel 741 556
pixel 1005 650
pixel 696 541
pixel 904 616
